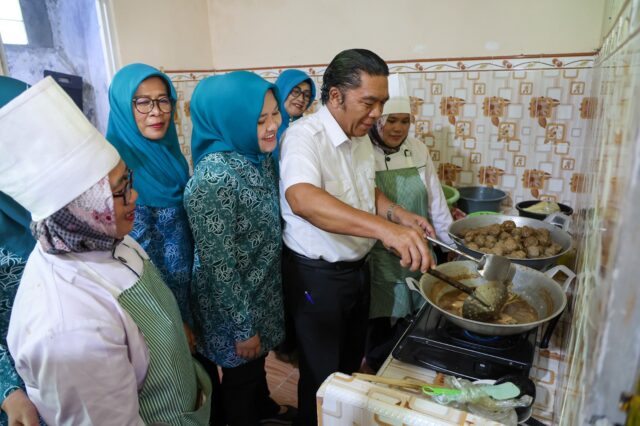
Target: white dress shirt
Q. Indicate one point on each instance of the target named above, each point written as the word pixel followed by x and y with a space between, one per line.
pixel 316 150
pixel 81 356
pixel 414 153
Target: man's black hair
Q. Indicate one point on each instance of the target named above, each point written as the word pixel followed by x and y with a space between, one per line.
pixel 344 70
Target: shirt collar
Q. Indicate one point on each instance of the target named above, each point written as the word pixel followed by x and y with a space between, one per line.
pixel 336 135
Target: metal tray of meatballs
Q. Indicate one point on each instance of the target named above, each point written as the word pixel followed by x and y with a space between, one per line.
pixel 522 240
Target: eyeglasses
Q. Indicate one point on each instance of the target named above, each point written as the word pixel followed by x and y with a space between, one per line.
pixel 145 105
pixel 126 191
pixel 296 92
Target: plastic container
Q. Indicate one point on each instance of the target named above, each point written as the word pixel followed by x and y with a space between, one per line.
pixel 540 216
pixel 480 198
pixel 480 214
pixel 451 194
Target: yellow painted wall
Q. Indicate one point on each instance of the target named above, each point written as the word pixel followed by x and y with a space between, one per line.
pixel 164 33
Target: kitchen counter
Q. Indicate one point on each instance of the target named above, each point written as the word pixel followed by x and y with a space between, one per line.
pixel 342 400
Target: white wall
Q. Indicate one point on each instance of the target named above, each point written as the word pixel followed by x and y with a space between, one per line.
pixel 221 34
pixel 254 33
pixel 170 34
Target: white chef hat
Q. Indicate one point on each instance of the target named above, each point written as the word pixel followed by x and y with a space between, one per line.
pixel 51 153
pixel 398 102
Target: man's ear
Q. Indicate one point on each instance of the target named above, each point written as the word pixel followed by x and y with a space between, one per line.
pixel 335 97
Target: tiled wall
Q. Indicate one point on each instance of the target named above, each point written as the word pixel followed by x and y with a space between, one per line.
pixel 604 341
pixel 515 124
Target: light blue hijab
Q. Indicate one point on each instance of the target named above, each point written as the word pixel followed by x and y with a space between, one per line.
pixel 285 83
pixel 160 170
pixel 15 235
pixel 224 113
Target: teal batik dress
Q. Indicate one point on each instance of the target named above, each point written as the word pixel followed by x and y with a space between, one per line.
pixel 234 213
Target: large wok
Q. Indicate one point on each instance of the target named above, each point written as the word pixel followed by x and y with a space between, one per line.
pixel 538 289
pixel 558 236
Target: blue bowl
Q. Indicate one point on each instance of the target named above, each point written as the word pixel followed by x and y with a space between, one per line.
pixel 480 198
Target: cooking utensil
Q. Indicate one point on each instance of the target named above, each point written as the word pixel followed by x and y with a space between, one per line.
pixel 538 289
pixel 558 235
pixel 485 301
pixel 526 387
pixel 499 392
pixel 491 266
pixel 408 383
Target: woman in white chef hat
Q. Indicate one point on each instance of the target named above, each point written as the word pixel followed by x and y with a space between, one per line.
pixel 95 334
pixel 405 174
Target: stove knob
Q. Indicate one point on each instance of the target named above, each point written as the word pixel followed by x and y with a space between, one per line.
pixel 482 369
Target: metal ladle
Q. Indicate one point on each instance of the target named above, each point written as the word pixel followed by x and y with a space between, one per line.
pixel 486 300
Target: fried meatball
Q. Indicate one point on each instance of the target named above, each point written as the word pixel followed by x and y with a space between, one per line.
pixel 469 236
pixel 473 246
pixel 510 245
pixel 527 231
pixel 497 250
pixel 533 252
pixel 553 249
pixel 508 225
pixel 504 235
pixel 479 240
pixel 495 230
pixel 530 241
pixel 518 254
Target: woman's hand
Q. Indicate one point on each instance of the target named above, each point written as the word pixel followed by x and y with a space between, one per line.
pixel 20 410
pixel 249 349
pixel 191 339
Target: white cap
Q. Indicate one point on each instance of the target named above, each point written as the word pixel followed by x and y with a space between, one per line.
pixel 51 153
pixel 398 102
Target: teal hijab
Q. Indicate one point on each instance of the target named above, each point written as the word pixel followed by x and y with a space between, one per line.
pixel 224 113
pixel 160 170
pixel 15 235
pixel 285 83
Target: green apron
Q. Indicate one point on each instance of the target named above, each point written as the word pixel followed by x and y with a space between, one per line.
pixel 390 296
pixel 176 390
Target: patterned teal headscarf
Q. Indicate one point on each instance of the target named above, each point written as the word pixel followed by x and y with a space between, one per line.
pixel 15 235
pixel 225 111
pixel 161 171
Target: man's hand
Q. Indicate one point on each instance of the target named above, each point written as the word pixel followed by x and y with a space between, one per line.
pixel 412 220
pixel 249 349
pixel 20 410
pixel 408 244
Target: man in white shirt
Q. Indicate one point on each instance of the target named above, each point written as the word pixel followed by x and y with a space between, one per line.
pixel 333 214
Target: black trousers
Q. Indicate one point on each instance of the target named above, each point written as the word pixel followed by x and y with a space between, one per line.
pixel 382 337
pixel 329 305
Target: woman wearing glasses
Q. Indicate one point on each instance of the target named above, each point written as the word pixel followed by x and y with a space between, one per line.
pixel 95 333
pixel 297 92
pixel 141 128
pixel 233 208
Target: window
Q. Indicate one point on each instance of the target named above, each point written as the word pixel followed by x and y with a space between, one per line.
pixel 11 23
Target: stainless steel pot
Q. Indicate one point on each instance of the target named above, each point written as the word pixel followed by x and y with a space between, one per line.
pixel 538 289
pixel 558 235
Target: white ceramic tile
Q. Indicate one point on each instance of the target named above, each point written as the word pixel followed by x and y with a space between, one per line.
pixel 502 74
pixel 456 75
pixel 554 92
pixel 473 75
pixel 509 181
pixel 505 93
pixel 546 167
pixel 519 75
pixel 420 93
pixel 576 132
pixel 514 111
pixel 480 129
pixel 469 144
pixel 428 110
pixel 500 163
pixel 570 73
pixel 466 178
pixel 555 185
pixel 458 161
pixel 469 110
pixel 551 73
pixel 460 93
pixel 562 148
pixel 564 112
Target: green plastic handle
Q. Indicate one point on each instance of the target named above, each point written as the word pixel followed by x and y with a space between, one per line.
pixel 435 391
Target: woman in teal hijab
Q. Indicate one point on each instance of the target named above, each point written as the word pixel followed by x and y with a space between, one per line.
pixel 142 129
pixel 297 92
pixel 233 208
pixel 16 243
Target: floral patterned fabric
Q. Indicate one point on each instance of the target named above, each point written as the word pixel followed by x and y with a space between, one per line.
pixel 11 268
pixel 165 235
pixel 234 213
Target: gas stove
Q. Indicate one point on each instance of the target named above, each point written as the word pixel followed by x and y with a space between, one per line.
pixel 433 342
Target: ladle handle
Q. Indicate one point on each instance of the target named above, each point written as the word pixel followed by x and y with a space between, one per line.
pixel 442 277
pixel 455 250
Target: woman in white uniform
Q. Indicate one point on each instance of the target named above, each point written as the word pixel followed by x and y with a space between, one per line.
pixel 405 174
pixel 95 333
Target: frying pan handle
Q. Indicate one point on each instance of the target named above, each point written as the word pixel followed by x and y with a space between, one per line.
pixel 413 284
pixel 568 272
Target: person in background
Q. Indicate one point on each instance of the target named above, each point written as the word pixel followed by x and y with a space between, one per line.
pixel 297 91
pixel 232 204
pixel 333 213
pixel 142 129
pixel 16 243
pixel 95 333
pixel 405 174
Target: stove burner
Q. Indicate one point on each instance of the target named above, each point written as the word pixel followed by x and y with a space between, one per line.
pixel 435 343
pixel 479 337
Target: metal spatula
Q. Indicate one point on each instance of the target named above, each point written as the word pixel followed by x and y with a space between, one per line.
pixel 490 266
